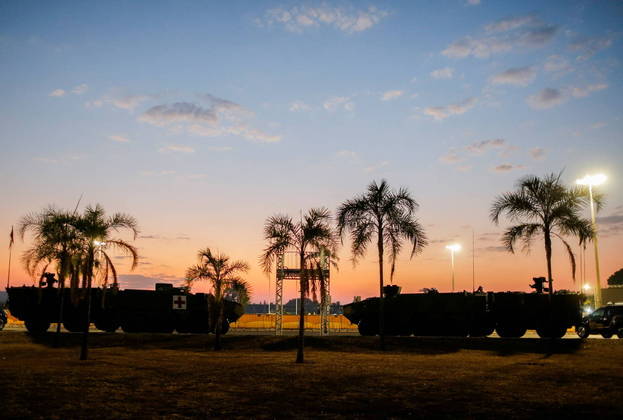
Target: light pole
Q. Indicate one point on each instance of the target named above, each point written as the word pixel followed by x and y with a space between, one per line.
pixel 594 180
pixel 453 248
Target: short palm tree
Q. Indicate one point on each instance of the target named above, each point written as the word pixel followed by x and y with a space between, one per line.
pixel 388 216
pixel 223 274
pixel 55 241
pixel 544 206
pixel 95 232
pixel 309 237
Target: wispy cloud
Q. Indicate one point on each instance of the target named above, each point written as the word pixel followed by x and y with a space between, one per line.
pixel 222 117
pixel 339 102
pixel 452 157
pixel 502 36
pixel 480 147
pixel 166 114
pixel 119 139
pixel 176 148
pixel 442 112
pixel 376 166
pixel 557 63
pixel 347 154
pixel 77 90
pixel 121 101
pixel 519 76
pixel 472 2
pixel 475 149
pixel 80 89
pixel 298 106
pixel 588 47
pixel 444 73
pixel 551 97
pixel 391 95
pixel 537 153
pixel 511 23
pixel 583 91
pixel 546 98
pixel 300 18
pixel 507 167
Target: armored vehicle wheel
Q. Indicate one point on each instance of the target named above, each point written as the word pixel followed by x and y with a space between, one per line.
pixel 166 327
pixel 224 327
pixel 107 324
pixel 510 331
pixel 73 325
pixel 367 328
pixel 582 331
pixel 37 326
pixel 551 331
pixel 132 325
pixel 620 333
pixel 480 331
pixel 606 334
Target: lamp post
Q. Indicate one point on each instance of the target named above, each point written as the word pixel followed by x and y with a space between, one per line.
pixel 453 248
pixel 590 181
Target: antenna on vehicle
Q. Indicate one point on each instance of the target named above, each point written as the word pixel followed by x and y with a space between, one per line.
pixel 78 203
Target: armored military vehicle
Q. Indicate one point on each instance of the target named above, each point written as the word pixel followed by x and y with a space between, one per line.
pixel 164 310
pixel 464 314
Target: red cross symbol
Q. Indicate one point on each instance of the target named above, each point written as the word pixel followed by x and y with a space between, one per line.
pixel 179 302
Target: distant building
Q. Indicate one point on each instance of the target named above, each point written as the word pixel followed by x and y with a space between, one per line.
pixel 612 294
pixel 291 307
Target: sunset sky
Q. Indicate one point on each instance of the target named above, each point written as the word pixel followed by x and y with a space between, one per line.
pixel 201 119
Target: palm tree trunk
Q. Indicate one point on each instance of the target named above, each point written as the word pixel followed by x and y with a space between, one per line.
pixel 84 348
pixel 219 324
pixel 381 296
pixel 61 288
pixel 300 358
pixel 548 256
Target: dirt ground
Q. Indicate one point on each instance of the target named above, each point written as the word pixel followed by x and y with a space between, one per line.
pixel 174 376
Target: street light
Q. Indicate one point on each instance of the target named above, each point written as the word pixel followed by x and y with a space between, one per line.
pixel 594 180
pixel 453 248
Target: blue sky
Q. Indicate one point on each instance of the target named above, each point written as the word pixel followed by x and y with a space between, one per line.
pixel 203 118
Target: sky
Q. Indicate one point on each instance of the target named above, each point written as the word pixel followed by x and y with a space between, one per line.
pixel 202 119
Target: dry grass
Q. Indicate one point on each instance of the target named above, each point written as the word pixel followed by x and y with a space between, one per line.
pixel 166 376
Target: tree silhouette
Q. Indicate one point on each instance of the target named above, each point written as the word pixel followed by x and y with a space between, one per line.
pixel 616 279
pixel 544 206
pixel 55 242
pixel 389 216
pixel 95 236
pixel 223 275
pixel 309 237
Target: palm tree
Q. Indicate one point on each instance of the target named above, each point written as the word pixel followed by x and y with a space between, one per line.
pixel 55 240
pixel 544 206
pixel 95 232
pixel 390 217
pixel 309 237
pixel 222 274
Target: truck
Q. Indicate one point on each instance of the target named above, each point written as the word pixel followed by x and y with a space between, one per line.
pixel 163 310
pixel 509 314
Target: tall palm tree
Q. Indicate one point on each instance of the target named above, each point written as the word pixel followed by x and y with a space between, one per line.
pixel 55 241
pixel 389 216
pixel 309 237
pixel 544 206
pixel 95 231
pixel 222 274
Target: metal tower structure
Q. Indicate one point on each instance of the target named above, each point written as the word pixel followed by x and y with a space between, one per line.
pixel 288 268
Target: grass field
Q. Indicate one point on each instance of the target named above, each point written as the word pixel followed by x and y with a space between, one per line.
pixel 172 376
